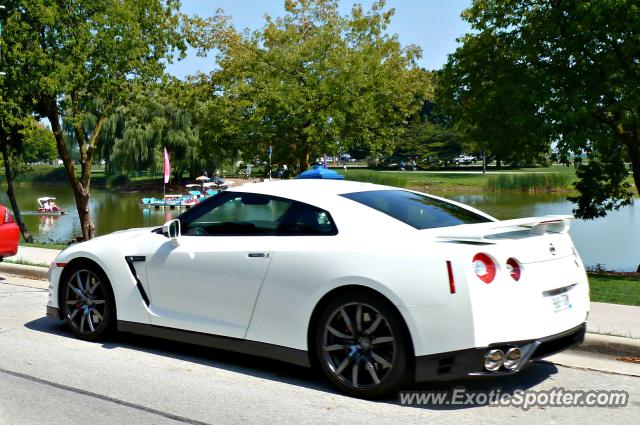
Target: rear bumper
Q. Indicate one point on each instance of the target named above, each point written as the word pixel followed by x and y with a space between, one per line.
pixel 470 362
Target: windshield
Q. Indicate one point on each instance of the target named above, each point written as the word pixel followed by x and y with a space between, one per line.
pixel 419 211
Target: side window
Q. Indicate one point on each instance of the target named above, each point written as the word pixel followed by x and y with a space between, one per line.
pixel 419 211
pixel 307 220
pixel 238 214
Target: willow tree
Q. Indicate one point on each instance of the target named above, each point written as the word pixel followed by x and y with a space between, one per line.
pixel 536 73
pixel 134 136
pixel 311 80
pixel 65 55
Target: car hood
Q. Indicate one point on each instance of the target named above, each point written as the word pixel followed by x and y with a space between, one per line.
pixel 120 235
pixel 111 240
pixel 126 234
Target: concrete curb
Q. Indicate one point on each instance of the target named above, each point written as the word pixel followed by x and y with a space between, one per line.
pixel 29 272
pixel 612 345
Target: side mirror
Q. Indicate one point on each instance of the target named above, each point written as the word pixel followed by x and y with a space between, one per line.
pixel 171 229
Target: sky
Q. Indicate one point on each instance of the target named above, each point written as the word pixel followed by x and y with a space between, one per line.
pixel 433 25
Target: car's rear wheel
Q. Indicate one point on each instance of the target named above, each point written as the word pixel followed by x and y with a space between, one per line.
pixel 362 345
pixel 87 302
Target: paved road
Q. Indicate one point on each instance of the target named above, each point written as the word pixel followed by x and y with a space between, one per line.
pixel 47 376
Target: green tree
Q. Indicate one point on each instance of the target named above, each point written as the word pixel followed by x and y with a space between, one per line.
pixel 433 145
pixel 430 139
pixel 557 72
pixel 39 144
pixel 134 136
pixel 81 57
pixel 310 82
pixel 13 122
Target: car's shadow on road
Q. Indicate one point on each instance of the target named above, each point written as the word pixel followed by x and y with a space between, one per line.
pixel 278 371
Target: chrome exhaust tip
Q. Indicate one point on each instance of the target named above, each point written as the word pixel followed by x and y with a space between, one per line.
pixel 493 359
pixel 512 358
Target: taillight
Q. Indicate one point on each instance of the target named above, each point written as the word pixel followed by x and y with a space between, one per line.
pixel 513 267
pixel 484 267
pixel 8 218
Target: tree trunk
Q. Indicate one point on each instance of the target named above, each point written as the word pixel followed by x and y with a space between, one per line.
pixel 80 191
pixel 633 148
pixel 304 158
pixel 634 153
pixel 11 193
pixel 484 163
pixel 82 204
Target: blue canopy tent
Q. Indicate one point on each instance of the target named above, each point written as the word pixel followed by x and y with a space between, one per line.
pixel 320 172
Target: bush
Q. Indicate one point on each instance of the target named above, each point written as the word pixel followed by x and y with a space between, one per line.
pixel 117 181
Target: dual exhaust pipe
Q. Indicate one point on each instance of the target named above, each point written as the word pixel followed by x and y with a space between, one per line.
pixel 494 359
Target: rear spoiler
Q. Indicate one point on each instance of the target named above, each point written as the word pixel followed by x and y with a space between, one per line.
pixel 507 229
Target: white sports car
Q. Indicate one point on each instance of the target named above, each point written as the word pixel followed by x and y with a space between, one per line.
pixel 375 285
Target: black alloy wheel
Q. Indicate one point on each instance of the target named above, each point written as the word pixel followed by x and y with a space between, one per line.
pixel 87 302
pixel 362 345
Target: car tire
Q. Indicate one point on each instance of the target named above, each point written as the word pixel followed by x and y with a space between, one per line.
pixel 86 302
pixel 362 345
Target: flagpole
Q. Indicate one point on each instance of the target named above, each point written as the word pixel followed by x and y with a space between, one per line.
pixel 167 171
pixel 270 152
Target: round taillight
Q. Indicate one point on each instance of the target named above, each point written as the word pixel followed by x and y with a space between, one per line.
pixel 513 267
pixel 484 267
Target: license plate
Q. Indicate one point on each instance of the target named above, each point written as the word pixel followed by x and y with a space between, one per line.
pixel 560 302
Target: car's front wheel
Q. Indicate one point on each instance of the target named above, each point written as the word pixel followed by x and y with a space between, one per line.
pixel 362 345
pixel 87 302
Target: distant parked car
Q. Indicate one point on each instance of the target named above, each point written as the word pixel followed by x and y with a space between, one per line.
pixel 464 159
pixel 9 234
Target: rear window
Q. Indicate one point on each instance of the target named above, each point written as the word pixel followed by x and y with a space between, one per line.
pixel 419 211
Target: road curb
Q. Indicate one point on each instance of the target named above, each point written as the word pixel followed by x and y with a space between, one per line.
pixel 612 345
pixel 29 272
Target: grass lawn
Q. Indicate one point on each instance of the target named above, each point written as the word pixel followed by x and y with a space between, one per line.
pixel 553 168
pixel 541 179
pixel 615 289
pixel 24 262
pixel 44 245
pixel 555 177
pixel 415 179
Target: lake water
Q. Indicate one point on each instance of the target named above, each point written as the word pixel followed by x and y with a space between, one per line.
pixel 613 241
pixel 110 211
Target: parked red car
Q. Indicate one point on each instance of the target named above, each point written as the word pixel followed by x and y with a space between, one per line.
pixel 9 234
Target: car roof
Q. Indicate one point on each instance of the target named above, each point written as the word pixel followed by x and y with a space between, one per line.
pixel 310 191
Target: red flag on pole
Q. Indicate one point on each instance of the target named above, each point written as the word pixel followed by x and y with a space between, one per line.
pixel 167 167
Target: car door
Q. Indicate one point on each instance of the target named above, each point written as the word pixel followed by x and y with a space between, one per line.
pixel 210 281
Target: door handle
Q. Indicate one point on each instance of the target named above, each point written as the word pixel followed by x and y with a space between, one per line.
pixel 258 254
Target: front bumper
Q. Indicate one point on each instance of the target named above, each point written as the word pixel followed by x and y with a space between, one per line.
pixel 53 313
pixel 470 362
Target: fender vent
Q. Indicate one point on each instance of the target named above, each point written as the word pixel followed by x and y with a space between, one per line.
pixel 130 259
